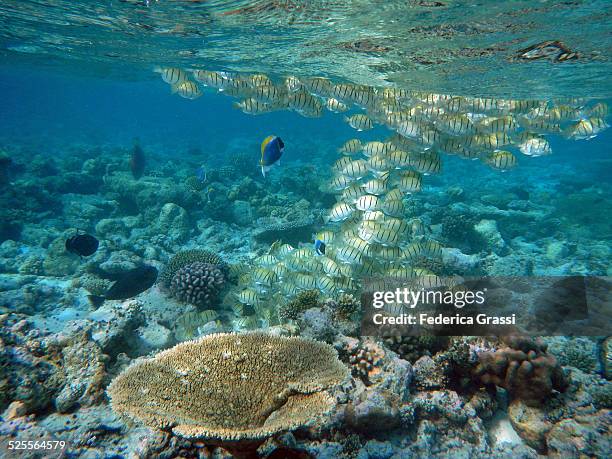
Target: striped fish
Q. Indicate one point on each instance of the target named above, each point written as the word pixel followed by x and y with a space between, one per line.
pixel 502 160
pixel 393 207
pixel 350 147
pixel 349 255
pixel 409 182
pixel 340 212
pixel 359 122
pixel 355 169
pixel 172 75
pixel 367 202
pixel 264 276
pixel 335 106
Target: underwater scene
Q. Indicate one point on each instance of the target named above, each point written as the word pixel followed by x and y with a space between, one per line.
pixel 221 220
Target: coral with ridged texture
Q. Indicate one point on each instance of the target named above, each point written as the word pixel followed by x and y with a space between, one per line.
pixel 186 257
pixel 232 390
pixel 198 284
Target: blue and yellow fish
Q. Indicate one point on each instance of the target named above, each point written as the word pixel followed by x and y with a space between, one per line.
pixel 271 151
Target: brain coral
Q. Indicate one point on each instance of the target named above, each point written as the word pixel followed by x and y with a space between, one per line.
pixel 233 390
pixel 186 257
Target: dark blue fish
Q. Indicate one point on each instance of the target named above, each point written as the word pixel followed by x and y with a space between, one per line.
pixel 128 284
pixel 82 244
pixel 201 174
pixel 319 247
pixel 137 161
pixel 271 151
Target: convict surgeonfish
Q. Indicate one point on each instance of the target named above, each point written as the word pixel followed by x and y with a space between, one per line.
pixel 355 169
pixel 351 147
pixel 248 296
pixel 359 122
pixel 172 75
pixel 187 90
pixel 367 202
pixel 374 148
pixel 272 149
pixel 535 146
pixel 582 130
pixel 351 192
pixel 376 186
pixel 252 106
pixel 502 160
pixel 340 182
pixel 340 212
pixel 409 182
pixel 305 104
pixel 393 207
pixel 334 105
pixel 218 80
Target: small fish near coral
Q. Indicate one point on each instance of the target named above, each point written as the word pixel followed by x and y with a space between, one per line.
pixel 137 161
pixel 272 149
pixel 201 174
pixel 319 247
pixel 82 245
pixel 127 284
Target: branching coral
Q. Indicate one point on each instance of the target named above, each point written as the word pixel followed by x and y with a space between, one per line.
pixel 346 306
pixel 411 348
pixel 233 390
pixel 300 303
pixel 364 357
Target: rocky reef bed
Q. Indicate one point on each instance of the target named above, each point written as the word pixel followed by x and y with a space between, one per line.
pixel 458 401
pixel 405 397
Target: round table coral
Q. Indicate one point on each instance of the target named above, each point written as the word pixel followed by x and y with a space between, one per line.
pixel 232 390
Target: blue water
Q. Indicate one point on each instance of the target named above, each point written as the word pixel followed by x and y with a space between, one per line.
pixel 48 110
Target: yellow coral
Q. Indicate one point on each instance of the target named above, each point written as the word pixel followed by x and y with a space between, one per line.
pixel 231 387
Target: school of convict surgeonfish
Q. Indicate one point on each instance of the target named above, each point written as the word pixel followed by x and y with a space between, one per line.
pixel 367 231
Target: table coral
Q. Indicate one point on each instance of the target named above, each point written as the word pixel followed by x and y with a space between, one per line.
pixel 234 390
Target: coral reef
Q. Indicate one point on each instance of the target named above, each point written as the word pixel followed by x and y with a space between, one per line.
pixel 185 258
pixel 291 224
pixel 346 306
pixel 411 348
pixel 268 384
pixel 299 304
pixel 84 367
pixel 524 369
pixel 579 353
pixel 29 373
pixel 199 284
pixel 458 230
pixel 363 357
